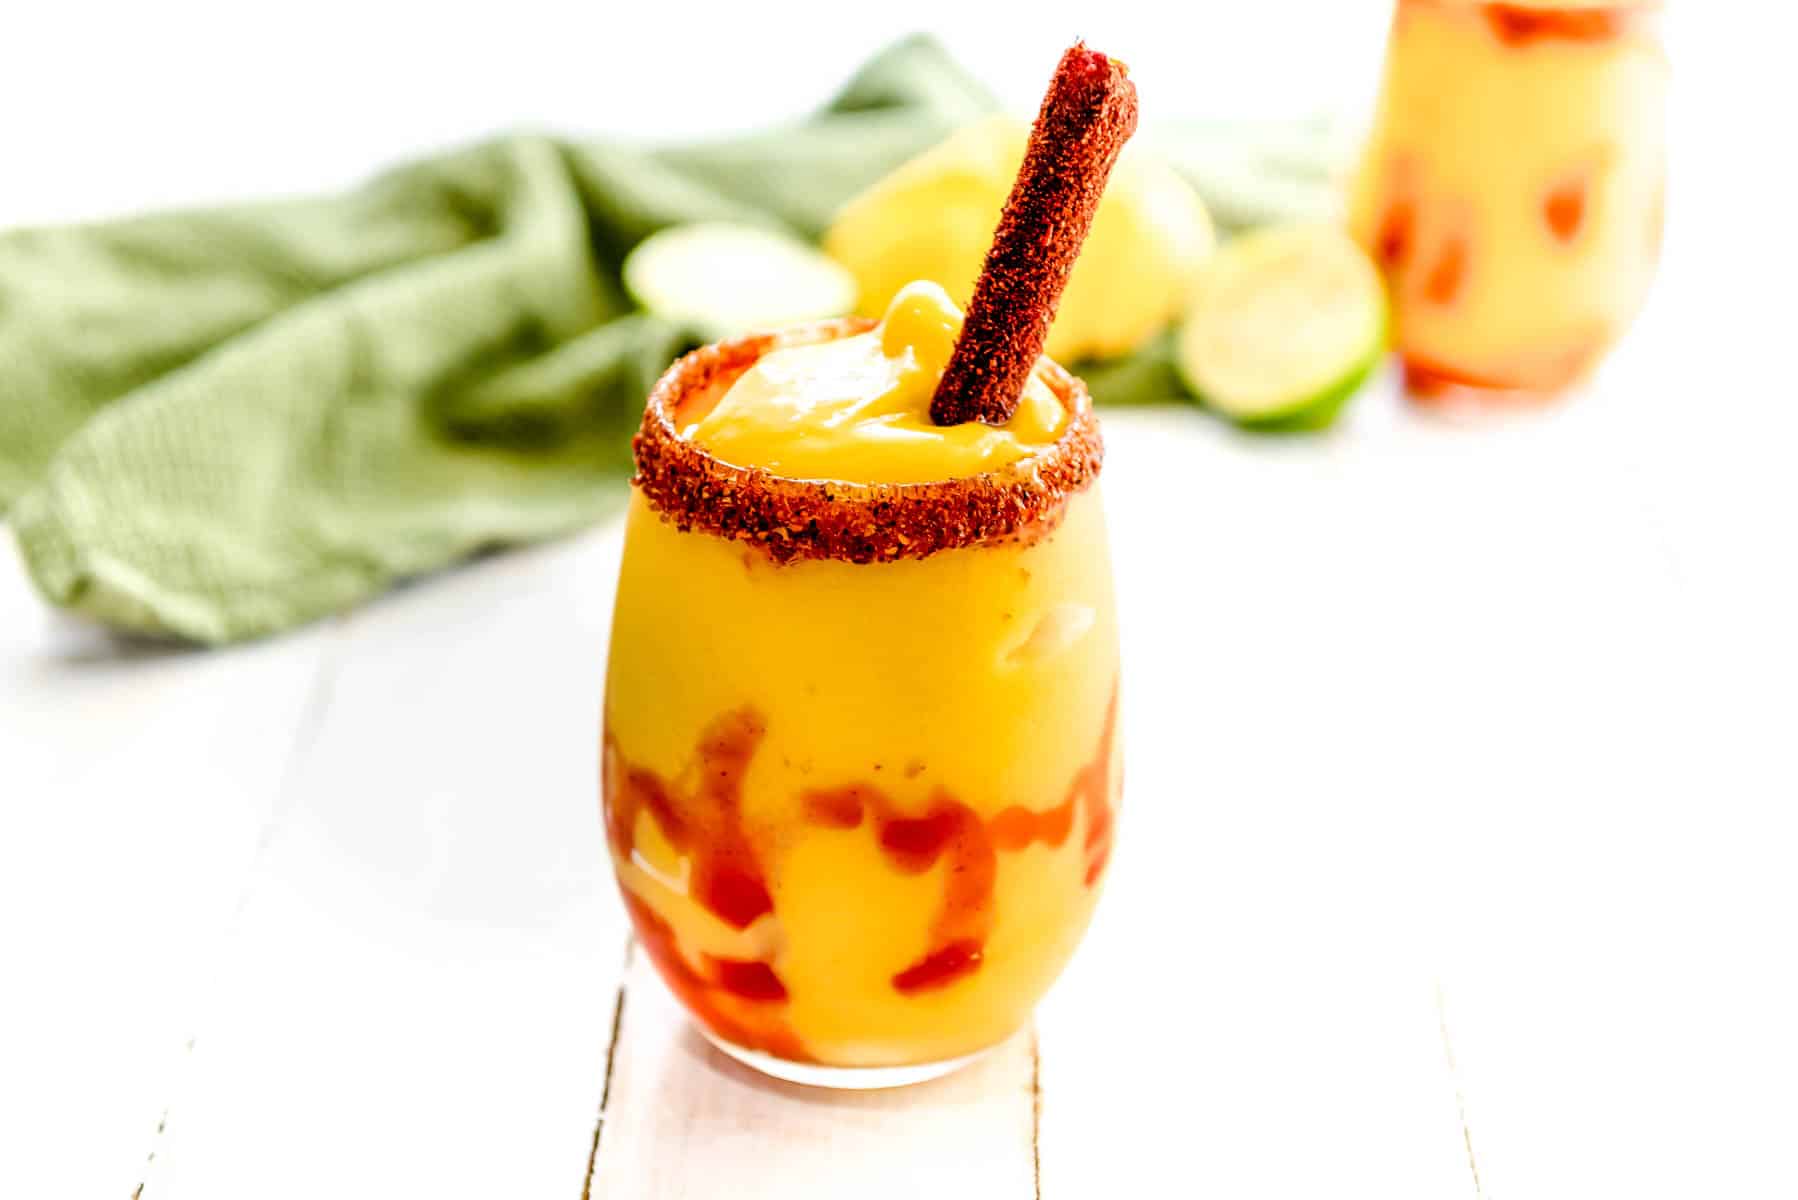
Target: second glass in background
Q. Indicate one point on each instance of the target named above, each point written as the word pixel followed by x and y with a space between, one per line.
pixel 1512 189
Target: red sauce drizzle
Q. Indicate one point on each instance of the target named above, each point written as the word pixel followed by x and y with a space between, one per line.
pixel 913 844
pixel 706 825
pixel 1535 378
pixel 1395 235
pixel 1565 208
pixel 1393 239
pixel 1447 273
pixel 751 979
pixel 767 1033
pixel 1519 25
pixel 941 967
pixel 726 877
pixel 841 809
pixel 1428 381
pixel 1093 783
pixel 1017 827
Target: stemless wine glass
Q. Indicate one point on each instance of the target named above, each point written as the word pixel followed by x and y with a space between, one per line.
pixel 1512 189
pixel 861 759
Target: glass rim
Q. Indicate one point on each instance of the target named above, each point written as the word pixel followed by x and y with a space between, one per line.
pixel 792 519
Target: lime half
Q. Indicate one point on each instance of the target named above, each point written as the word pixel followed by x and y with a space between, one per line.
pixel 1284 325
pixel 728 279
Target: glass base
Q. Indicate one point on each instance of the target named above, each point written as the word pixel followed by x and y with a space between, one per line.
pixel 845 1078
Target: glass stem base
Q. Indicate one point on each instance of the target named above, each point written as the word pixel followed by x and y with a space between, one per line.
pixel 843 1078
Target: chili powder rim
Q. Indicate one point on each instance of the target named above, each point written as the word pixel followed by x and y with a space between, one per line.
pixel 797 519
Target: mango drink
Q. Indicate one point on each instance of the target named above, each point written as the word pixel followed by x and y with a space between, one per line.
pixel 1512 188
pixel 861 762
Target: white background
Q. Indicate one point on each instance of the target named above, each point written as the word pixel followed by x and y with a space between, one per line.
pixel 1501 714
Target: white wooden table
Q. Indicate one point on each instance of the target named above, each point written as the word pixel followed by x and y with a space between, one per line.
pixel 1456 856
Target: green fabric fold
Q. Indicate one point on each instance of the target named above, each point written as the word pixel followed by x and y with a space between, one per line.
pixel 217 425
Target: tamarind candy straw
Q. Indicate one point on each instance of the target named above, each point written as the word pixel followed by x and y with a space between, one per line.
pixel 1088 114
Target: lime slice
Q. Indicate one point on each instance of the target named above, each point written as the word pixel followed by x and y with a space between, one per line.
pixel 1284 325
pixel 729 279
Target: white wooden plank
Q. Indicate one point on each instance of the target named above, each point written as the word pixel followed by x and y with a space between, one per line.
pixel 1613 920
pixel 1265 1055
pixel 683 1122
pixel 1349 660
pixel 1600 1064
pixel 418 998
pixel 1615 947
pixel 140 780
pixel 1248 1017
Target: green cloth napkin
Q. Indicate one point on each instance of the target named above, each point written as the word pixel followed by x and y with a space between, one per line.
pixel 216 425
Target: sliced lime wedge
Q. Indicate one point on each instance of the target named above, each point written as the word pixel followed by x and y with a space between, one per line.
pixel 728 279
pixel 1284 325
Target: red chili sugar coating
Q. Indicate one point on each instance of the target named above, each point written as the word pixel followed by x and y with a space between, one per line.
pixel 1087 115
pixel 791 520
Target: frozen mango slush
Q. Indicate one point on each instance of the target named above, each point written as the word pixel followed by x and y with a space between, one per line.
pixel 861 766
pixel 860 810
pixel 1512 188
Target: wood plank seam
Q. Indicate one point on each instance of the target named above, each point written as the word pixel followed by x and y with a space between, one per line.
pixel 306 733
pixel 605 1091
pixel 162 1123
pixel 1036 1111
pixel 1454 1075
